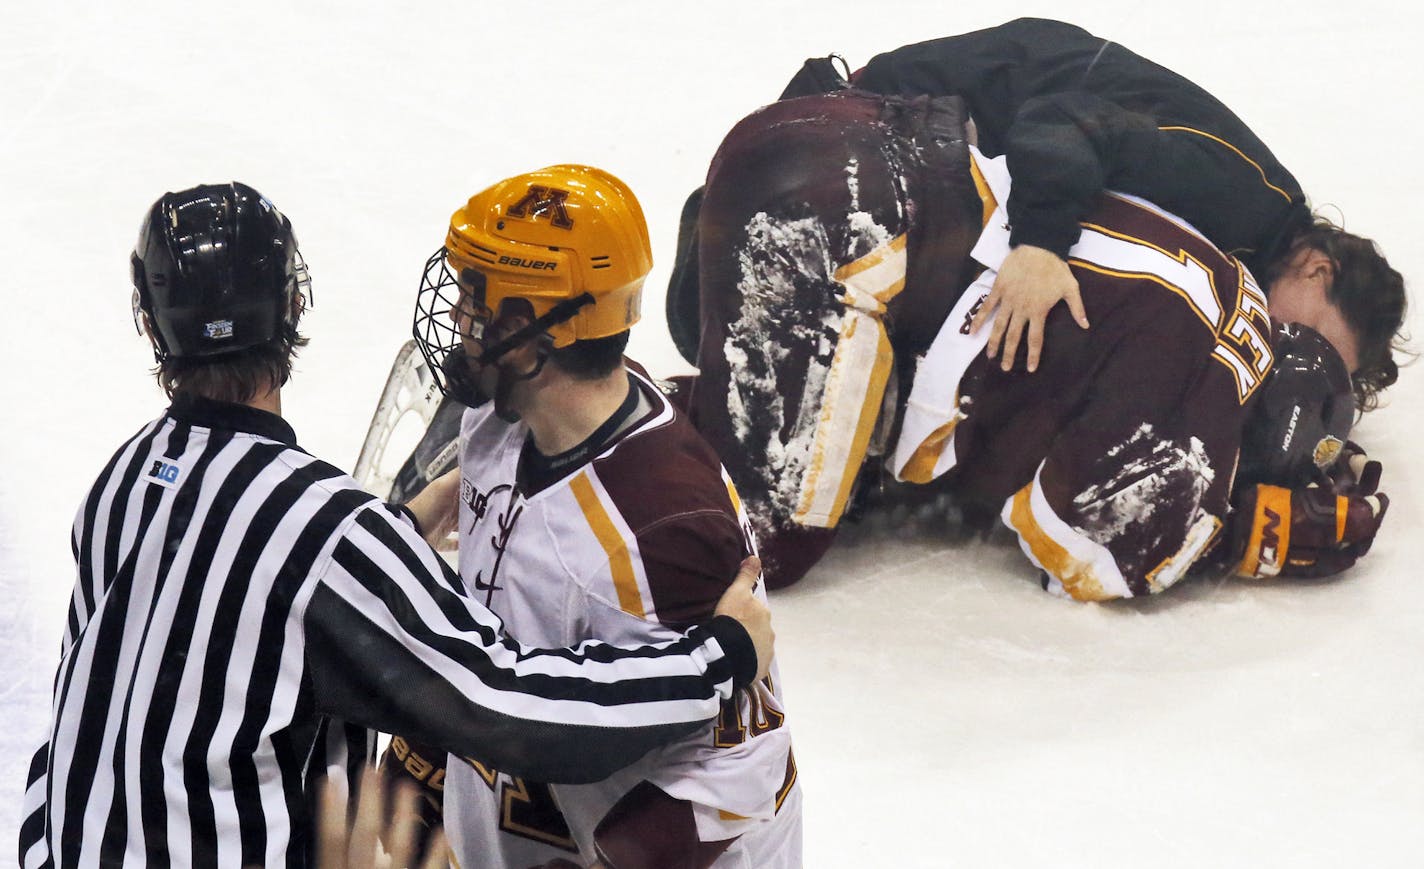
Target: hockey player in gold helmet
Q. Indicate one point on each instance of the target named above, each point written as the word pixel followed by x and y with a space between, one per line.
pixel 589 510
pixel 557 256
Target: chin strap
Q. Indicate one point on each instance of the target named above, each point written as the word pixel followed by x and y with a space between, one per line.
pixel 466 389
pixel 560 313
pixel 506 380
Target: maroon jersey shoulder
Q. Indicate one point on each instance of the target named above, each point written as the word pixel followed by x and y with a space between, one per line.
pixel 667 484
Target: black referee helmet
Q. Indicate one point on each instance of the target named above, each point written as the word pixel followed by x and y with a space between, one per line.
pixel 215 270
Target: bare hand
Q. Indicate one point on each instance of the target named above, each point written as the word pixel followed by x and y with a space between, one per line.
pixel 437 508
pixel 1030 282
pixel 360 846
pixel 741 603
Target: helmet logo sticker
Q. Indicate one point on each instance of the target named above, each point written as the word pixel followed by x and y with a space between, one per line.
pixel 541 201
pixel 521 262
pixel 1327 449
pixel 217 329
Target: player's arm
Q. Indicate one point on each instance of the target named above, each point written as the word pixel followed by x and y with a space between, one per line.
pixel 1061 147
pixel 987 67
pixel 1065 146
pixel 710 788
pixel 392 645
pixel 435 509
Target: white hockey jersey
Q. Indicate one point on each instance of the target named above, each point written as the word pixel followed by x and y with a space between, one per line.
pixel 631 545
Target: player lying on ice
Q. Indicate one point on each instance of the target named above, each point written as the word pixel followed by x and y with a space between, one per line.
pixel 847 242
pixel 589 509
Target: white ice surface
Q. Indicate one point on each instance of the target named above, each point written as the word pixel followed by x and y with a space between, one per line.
pixel 946 711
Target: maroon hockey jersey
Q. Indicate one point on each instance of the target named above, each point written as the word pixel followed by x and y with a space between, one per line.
pixel 1113 463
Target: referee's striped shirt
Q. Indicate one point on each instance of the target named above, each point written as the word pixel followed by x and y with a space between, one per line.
pixel 233 592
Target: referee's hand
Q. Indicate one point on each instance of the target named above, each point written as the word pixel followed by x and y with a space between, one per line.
pixel 362 844
pixel 741 603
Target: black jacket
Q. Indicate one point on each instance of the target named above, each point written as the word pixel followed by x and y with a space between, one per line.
pixel 1077 114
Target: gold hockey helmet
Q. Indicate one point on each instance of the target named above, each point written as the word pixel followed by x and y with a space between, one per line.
pixel 551 236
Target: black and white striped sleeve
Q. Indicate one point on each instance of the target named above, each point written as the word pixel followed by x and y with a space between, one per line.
pixel 391 644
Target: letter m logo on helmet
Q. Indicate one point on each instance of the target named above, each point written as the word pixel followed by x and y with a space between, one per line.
pixel 541 201
pixel 552 236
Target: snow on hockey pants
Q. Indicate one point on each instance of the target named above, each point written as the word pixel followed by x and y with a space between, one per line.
pixel 833 239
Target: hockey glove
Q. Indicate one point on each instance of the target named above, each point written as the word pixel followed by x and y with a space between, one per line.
pixel 1306 533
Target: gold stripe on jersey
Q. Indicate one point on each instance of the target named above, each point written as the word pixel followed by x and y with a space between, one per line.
pixel 1235 150
pixel 1240 369
pixel 874 279
pixel 855 384
pixel 1085 569
pixel 1110 252
pixel 1146 276
pixel 1181 256
pixel 981 186
pixel 1050 555
pixel 921 466
pixel 732 495
pixel 791 775
pixel 1117 254
pixel 620 563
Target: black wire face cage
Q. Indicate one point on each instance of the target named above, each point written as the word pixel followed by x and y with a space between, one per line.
pixel 435 330
pixel 302 280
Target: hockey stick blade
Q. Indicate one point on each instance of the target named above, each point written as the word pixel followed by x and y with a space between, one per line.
pixel 407 405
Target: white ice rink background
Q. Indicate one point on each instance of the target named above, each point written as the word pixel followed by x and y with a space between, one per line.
pixel 946 712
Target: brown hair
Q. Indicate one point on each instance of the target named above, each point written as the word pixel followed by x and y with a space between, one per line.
pixel 1370 294
pixel 236 377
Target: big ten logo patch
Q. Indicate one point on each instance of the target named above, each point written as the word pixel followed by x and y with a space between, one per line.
pixel 164 472
pixel 495 535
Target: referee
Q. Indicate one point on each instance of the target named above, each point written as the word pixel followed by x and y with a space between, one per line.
pixel 234 593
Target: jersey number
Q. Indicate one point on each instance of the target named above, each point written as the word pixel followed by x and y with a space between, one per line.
pixel 528 809
pixel 733 728
pixel 1241 346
